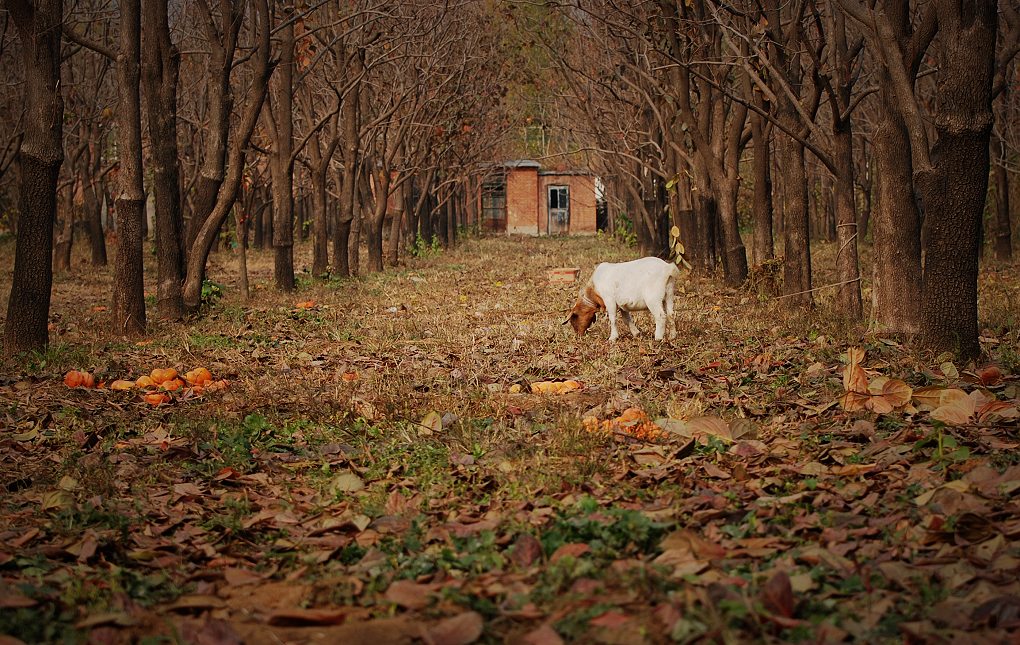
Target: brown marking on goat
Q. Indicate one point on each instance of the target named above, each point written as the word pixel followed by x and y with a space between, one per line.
pixel 582 314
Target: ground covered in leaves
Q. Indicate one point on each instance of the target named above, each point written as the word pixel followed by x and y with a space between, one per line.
pixel 387 463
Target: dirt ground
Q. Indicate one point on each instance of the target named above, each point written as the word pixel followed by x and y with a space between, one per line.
pixel 377 469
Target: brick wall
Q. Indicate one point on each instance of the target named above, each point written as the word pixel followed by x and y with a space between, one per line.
pixel 521 208
pixel 582 202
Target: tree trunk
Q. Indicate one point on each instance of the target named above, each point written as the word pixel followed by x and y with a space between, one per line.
pixel 374 232
pixel 896 277
pixel 350 130
pixel 797 250
pixel 281 166
pixel 160 66
pixel 735 263
pixel 761 206
pixel 206 236
pixel 954 190
pixel 39 159
pixel 65 230
pixel 1003 231
pixel 396 225
pixel 94 223
pixel 848 296
pixel 241 224
pixel 128 308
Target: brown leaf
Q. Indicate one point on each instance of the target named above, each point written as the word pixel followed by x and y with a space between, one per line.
pixel 955 407
pixel 461 629
pixel 896 392
pixel 990 375
pixel 927 398
pixel 777 595
pixel 544 635
pixel 298 616
pixel 409 594
pixel 572 549
pixel 210 631
pixel 526 550
pixel 239 577
pixel 11 599
pixel 710 426
pixel 611 620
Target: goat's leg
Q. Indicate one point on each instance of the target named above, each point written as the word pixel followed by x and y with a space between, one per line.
pixel 670 318
pixel 611 314
pixel 627 318
pixel 655 308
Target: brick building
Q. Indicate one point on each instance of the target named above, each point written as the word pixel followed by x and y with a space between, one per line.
pixel 519 197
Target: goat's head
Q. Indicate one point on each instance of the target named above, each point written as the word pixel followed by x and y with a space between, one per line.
pixel 581 317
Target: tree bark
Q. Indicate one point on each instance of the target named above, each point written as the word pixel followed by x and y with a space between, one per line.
pixel 282 128
pixel 350 127
pixel 40 156
pixel 761 204
pixel 954 190
pixel 93 199
pixel 128 308
pixel 1003 231
pixel 374 231
pixel 797 251
pixel 848 294
pixel 896 223
pixel 160 68
pixel 64 242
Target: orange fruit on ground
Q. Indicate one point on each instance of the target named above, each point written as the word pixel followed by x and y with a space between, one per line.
pixel 75 378
pixel 198 376
pixel 159 375
pixel 156 398
pixel 172 384
pixel 122 385
pixel 145 381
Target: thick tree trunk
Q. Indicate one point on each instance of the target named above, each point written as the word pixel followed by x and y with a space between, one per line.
pixel 1003 231
pixel 761 204
pixel 40 156
pixel 896 276
pixel 954 191
pixel 797 251
pixel 160 67
pixel 128 308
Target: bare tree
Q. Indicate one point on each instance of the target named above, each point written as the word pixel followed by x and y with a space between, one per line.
pixel 128 310
pixel 227 192
pixel 160 69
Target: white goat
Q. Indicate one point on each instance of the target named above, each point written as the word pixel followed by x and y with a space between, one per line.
pixel 647 284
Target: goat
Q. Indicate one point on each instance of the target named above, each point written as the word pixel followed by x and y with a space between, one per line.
pixel 647 284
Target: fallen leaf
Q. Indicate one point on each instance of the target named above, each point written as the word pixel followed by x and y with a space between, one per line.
pixel 571 549
pixel 461 629
pixel 544 635
pixel 526 550
pixel 298 616
pixel 777 595
pixel 409 594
